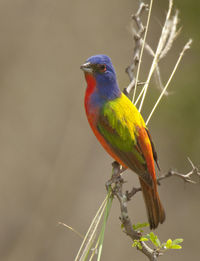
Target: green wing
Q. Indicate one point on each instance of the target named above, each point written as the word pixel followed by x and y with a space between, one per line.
pixel 118 123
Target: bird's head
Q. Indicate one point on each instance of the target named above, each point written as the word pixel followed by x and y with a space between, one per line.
pixel 99 70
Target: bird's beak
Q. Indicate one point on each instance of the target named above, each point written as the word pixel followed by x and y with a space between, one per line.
pixel 86 67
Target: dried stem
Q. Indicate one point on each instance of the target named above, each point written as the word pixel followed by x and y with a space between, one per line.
pixel 186 47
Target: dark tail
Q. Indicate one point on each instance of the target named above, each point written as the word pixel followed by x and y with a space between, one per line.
pixel 155 210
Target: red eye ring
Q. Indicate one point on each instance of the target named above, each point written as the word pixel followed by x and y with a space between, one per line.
pixel 103 67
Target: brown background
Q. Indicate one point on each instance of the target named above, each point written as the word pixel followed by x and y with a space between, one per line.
pixel 51 167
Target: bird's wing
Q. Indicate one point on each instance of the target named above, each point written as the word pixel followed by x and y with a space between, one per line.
pixel 155 156
pixel 122 132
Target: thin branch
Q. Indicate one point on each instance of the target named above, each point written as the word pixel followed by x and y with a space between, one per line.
pixel 141 54
pixel 130 194
pixel 188 177
pixel 137 34
pixel 139 46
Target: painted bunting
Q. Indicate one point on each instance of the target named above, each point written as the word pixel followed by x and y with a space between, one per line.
pixel 121 130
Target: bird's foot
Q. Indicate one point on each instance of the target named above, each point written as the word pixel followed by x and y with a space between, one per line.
pixel 116 175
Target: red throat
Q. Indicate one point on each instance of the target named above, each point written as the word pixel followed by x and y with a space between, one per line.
pixel 91 85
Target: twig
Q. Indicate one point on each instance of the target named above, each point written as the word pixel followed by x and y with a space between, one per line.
pixel 139 46
pixel 130 194
pixel 185 177
pixel 137 36
pixel 142 49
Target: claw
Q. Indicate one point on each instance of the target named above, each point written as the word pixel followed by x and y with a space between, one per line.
pixel 116 175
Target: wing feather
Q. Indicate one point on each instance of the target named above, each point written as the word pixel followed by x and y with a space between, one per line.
pixel 123 140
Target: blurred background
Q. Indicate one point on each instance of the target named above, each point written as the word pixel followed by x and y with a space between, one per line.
pixel 52 168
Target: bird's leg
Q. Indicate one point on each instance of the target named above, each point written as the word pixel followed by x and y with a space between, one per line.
pixel 116 175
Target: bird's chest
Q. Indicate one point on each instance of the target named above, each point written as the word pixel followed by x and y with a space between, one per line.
pixel 93 101
pixel 92 105
pixel 92 108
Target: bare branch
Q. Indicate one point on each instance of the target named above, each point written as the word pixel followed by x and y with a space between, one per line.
pixel 188 177
pixel 137 34
pixel 130 194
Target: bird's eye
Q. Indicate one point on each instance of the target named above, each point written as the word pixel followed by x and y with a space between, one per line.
pixel 102 67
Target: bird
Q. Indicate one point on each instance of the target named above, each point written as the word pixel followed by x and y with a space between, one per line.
pixel 121 130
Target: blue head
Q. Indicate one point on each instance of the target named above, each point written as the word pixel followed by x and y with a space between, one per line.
pixel 100 67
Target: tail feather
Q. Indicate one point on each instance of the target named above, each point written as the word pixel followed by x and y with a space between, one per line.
pixel 155 210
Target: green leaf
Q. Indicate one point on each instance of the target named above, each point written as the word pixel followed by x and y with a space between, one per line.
pixel 140 225
pixel 137 243
pixel 177 241
pixel 168 243
pixel 176 247
pixel 134 243
pixel 173 244
pixel 144 238
pixel 147 236
pixel 154 239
